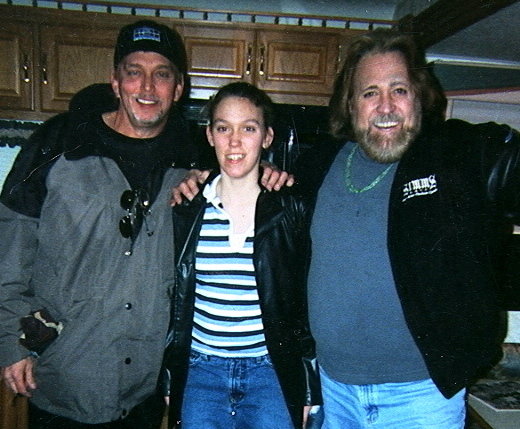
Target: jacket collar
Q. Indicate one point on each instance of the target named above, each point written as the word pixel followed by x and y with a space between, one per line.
pixel 176 148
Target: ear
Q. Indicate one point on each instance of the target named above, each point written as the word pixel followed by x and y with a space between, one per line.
pixel 115 83
pixel 179 88
pixel 350 106
pixel 269 136
pixel 209 136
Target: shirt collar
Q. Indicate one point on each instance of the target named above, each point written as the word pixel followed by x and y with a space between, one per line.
pixel 210 192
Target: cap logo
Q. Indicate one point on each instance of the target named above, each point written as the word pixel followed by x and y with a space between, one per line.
pixel 147 33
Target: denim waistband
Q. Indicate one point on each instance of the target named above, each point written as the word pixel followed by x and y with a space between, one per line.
pixel 257 360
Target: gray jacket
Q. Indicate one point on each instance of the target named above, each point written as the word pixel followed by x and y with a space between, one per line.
pixel 62 250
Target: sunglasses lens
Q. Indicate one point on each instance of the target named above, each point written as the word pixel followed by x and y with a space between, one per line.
pixel 127 199
pixel 125 226
pixel 137 204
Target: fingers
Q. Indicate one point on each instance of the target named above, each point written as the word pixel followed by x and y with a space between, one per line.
pixel 202 175
pixel 189 187
pixel 19 377
pixel 186 189
pixel 276 179
pixel 29 376
pixel 306 411
pixel 285 179
pixel 176 197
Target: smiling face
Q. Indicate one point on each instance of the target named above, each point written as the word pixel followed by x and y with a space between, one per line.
pixel 385 110
pixel 239 134
pixel 147 84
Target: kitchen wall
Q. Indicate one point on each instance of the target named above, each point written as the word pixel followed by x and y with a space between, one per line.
pixel 485 111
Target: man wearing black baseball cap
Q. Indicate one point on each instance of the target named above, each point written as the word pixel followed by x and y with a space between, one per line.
pixel 86 230
pixel 149 74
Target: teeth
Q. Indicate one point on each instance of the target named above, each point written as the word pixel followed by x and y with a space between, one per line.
pixel 143 101
pixel 235 157
pixel 386 124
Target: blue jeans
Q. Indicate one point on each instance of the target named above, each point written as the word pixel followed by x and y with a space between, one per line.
pixel 412 405
pixel 233 393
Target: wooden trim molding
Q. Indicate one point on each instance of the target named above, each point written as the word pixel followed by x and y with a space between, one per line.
pixel 446 17
pixel 215 15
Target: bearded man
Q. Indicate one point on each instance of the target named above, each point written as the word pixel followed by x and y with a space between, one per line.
pixel 410 214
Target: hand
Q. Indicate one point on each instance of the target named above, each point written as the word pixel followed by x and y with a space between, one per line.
pixel 167 400
pixel 19 377
pixel 306 411
pixel 189 187
pixel 273 178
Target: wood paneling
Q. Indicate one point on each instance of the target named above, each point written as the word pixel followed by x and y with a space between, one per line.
pixel 13 409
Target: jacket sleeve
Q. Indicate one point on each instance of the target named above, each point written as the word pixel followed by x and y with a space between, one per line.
pixel 503 183
pixel 17 251
pixel 307 343
pixel 23 194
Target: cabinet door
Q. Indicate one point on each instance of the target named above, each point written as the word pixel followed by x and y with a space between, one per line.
pixel 297 66
pixel 217 56
pixel 16 66
pixel 71 58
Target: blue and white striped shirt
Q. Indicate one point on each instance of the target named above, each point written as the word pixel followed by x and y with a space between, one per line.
pixel 227 319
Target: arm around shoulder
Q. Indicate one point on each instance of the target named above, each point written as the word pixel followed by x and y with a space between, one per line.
pixel 503 181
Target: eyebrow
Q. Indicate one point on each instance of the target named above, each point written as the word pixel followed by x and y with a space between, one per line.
pixel 401 82
pixel 247 120
pixel 392 84
pixel 160 66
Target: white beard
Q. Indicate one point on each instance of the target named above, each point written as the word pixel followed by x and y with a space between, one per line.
pixel 385 149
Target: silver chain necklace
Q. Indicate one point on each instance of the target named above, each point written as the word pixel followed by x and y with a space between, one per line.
pixel 348 175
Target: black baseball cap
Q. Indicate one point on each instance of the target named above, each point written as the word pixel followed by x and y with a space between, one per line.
pixel 148 35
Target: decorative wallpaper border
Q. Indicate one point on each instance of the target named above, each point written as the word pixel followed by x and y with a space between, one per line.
pixel 15 133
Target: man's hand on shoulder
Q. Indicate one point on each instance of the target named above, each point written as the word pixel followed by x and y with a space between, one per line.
pixel 189 187
pixel 273 178
pixel 19 377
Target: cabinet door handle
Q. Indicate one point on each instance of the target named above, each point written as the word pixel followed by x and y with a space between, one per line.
pixel 45 79
pixel 25 68
pixel 339 60
pixel 249 59
pixel 262 60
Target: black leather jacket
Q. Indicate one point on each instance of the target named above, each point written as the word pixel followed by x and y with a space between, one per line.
pixel 281 259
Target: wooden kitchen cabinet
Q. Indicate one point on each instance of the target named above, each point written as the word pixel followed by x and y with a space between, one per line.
pixel 217 56
pixel 44 65
pixel 13 409
pixel 49 55
pixel 293 66
pixel 17 66
pixel 297 66
pixel 71 58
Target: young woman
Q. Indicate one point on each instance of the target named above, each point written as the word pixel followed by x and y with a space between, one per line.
pixel 240 354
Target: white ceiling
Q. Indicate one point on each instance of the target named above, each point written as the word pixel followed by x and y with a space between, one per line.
pixel 495 39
